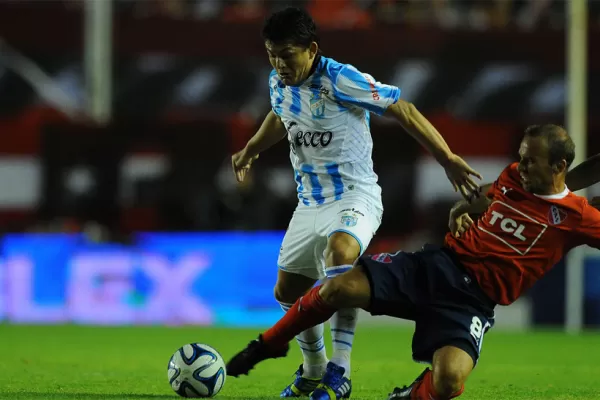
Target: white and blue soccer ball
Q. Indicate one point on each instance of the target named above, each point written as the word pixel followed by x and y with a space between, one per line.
pixel 196 370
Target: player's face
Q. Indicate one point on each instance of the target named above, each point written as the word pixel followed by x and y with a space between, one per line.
pixel 537 175
pixel 292 62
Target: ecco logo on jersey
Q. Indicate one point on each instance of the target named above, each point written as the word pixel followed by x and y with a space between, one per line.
pixel 512 227
pixel 313 139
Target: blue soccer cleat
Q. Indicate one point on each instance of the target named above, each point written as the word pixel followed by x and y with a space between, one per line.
pixel 301 387
pixel 334 385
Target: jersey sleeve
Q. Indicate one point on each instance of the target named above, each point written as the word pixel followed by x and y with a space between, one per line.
pixel 274 93
pixel 589 228
pixel 362 90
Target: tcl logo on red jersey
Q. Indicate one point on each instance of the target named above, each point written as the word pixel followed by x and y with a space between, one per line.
pixel 512 227
pixel 508 225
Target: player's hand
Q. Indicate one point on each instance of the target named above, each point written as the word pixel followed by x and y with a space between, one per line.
pixel 459 224
pixel 460 175
pixel 241 163
pixel 595 202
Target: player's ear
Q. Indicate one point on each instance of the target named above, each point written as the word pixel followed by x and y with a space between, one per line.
pixel 313 49
pixel 559 167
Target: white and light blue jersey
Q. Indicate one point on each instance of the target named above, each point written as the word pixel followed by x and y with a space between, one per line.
pixel 327 120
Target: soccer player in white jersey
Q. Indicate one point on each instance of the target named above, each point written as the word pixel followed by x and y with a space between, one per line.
pixel 323 107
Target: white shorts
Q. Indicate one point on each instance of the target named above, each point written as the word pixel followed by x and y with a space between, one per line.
pixel 303 247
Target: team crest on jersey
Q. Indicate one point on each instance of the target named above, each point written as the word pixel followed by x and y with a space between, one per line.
pixel 350 216
pixel 556 216
pixel 317 106
pixel 349 220
pixel 384 258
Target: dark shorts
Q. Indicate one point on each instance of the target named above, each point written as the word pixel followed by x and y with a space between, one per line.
pixel 431 288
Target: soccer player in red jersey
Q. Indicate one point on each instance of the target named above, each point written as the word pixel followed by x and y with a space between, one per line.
pixel 529 221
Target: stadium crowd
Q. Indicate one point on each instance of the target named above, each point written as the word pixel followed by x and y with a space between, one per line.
pixel 338 14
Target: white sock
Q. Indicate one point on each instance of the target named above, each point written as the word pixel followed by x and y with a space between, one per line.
pixel 343 325
pixel 313 349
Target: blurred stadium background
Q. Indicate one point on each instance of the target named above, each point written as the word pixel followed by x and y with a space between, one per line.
pixel 117 121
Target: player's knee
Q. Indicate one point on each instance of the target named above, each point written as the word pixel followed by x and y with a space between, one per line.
pixel 448 381
pixel 290 286
pixel 342 249
pixel 344 291
pixel 282 295
pixel 451 367
pixel 343 257
pixel 337 291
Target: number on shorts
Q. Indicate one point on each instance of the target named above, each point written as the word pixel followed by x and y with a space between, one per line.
pixel 478 329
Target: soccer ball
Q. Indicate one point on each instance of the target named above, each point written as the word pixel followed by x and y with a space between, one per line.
pixel 196 370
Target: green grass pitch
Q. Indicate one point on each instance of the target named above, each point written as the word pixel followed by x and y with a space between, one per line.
pixel 74 362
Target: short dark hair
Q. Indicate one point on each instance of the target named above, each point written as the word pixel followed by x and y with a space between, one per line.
pixel 291 25
pixel 560 144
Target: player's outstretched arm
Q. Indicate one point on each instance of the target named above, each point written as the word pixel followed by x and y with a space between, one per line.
pixel 585 174
pixel 458 171
pixel 420 128
pixel 270 132
pixel 460 214
pixel 362 90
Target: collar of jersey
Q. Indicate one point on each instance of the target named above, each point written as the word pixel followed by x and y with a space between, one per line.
pixel 316 64
pixel 556 196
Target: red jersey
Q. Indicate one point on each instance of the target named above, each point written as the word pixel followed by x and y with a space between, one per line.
pixel 522 235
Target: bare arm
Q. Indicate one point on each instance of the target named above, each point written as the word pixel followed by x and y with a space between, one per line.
pixel 585 174
pixel 460 220
pixel 421 129
pixel 458 171
pixel 477 206
pixel 270 132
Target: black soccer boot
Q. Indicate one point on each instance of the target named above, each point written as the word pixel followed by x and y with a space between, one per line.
pixel 255 352
pixel 404 392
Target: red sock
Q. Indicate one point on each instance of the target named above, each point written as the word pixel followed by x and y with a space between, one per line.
pixel 307 311
pixel 425 390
